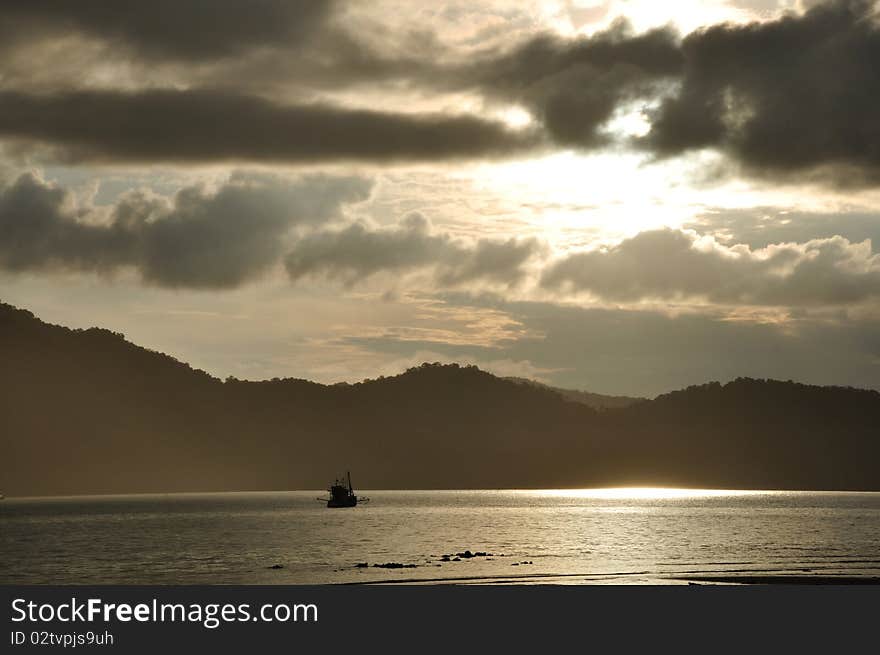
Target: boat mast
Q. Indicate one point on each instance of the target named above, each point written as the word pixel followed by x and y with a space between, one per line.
pixel 348 473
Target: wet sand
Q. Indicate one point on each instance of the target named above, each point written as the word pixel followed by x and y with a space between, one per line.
pixel 783 579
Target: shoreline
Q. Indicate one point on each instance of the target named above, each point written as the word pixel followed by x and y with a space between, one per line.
pixel 845 580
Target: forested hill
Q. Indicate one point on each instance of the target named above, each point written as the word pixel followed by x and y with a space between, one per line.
pixel 85 411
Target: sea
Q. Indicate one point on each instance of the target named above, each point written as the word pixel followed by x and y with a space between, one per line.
pixel 590 536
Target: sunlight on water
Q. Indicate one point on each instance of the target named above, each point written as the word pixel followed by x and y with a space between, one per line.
pixel 629 535
pixel 644 493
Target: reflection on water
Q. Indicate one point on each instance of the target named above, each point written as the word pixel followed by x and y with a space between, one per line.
pixel 644 493
pixel 632 535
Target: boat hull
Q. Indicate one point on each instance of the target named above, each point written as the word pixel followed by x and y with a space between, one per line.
pixel 351 501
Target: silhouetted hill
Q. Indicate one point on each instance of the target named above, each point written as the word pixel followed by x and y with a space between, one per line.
pixel 800 436
pixel 84 411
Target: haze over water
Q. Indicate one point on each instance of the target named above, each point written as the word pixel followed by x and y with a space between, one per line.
pixel 569 536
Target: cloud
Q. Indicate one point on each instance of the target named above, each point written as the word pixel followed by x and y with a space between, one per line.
pixel 759 227
pixel 188 30
pixel 201 238
pixel 574 86
pixel 196 103
pixel 672 264
pixel 360 251
pixel 220 238
pixel 791 97
pixel 272 48
pixel 195 126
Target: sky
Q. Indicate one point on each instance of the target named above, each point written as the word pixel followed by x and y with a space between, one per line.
pixel 627 197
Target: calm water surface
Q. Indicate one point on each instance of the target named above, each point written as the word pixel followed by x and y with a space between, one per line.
pixel 596 536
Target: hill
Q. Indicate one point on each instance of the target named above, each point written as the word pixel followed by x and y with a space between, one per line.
pixel 594 400
pixel 85 411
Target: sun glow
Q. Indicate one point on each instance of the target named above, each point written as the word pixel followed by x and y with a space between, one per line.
pixel 616 195
pixel 574 200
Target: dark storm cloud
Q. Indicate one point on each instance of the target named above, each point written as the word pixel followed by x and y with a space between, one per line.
pixel 358 251
pixel 786 97
pixel 573 86
pixel 794 97
pixel 189 29
pixel 200 239
pixel 671 264
pixel 272 48
pixel 195 126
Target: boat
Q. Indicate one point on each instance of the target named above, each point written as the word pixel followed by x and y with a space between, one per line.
pixel 342 494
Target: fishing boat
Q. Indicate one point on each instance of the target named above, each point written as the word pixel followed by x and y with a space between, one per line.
pixel 342 494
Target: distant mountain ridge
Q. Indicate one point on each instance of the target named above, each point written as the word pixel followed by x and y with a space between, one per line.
pixel 594 400
pixel 85 411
